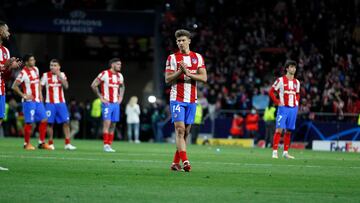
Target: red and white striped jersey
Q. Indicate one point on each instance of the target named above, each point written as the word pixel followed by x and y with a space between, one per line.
pixel 110 85
pixel 54 88
pixel 288 91
pixel 30 82
pixel 184 89
pixel 4 56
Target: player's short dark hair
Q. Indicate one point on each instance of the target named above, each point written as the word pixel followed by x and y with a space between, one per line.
pixel 113 60
pixel 27 57
pixel 290 63
pixel 182 32
pixel 55 61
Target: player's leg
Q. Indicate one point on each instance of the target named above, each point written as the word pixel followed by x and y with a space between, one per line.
pixel 290 125
pixel 190 111
pixel 29 117
pixel 50 113
pixel 62 116
pixel 50 132
pixel 280 125
pixel 111 132
pixel 41 117
pixel 115 117
pixel 106 112
pixel 180 130
pixel 178 116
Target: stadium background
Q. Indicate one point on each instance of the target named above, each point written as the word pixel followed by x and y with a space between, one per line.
pixel 244 45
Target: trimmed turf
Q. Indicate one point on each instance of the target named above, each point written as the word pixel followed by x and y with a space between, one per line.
pixel 140 173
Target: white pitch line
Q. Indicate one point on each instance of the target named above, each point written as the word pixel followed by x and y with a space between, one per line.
pixel 157 161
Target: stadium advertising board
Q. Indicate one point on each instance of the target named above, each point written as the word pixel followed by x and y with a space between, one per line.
pixel 342 146
pixel 248 143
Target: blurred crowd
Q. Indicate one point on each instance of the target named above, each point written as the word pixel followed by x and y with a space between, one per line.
pixel 246 43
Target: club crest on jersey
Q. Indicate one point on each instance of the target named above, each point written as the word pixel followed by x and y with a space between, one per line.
pixel 5 55
pixel 194 60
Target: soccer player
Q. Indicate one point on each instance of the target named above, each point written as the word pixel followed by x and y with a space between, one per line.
pixel 33 108
pixel 6 65
pixel 287 88
pixel 183 70
pixel 55 82
pixel 111 95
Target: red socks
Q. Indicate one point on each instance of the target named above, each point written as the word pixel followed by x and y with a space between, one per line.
pixel 287 140
pixel 51 142
pixel 111 138
pixel 106 138
pixel 27 133
pixel 183 156
pixel 276 140
pixel 176 157
pixel 67 140
pixel 42 131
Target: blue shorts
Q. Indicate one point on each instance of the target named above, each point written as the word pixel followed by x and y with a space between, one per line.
pixel 33 111
pixel 57 112
pixel 2 106
pixel 286 117
pixel 182 112
pixel 111 111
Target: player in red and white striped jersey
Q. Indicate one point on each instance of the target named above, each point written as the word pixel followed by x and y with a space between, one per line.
pixel 6 65
pixel 185 88
pixel 112 87
pixel 287 88
pixel 33 108
pixel 183 70
pixel 288 91
pixel 55 82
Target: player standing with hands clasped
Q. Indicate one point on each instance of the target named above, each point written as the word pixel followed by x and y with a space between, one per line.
pixel 183 70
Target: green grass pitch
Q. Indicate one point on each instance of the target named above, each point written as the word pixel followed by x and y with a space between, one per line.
pixel 140 173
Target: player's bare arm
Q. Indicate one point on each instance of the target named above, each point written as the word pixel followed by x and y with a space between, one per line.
pixel 15 87
pixel 171 77
pixel 63 80
pixel 95 87
pixel 12 63
pixel 40 93
pixel 201 75
pixel 121 92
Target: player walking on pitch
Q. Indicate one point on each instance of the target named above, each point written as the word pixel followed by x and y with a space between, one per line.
pixel 183 70
pixel 287 88
pixel 111 95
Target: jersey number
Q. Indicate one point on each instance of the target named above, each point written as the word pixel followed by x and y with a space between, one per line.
pixel 176 108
